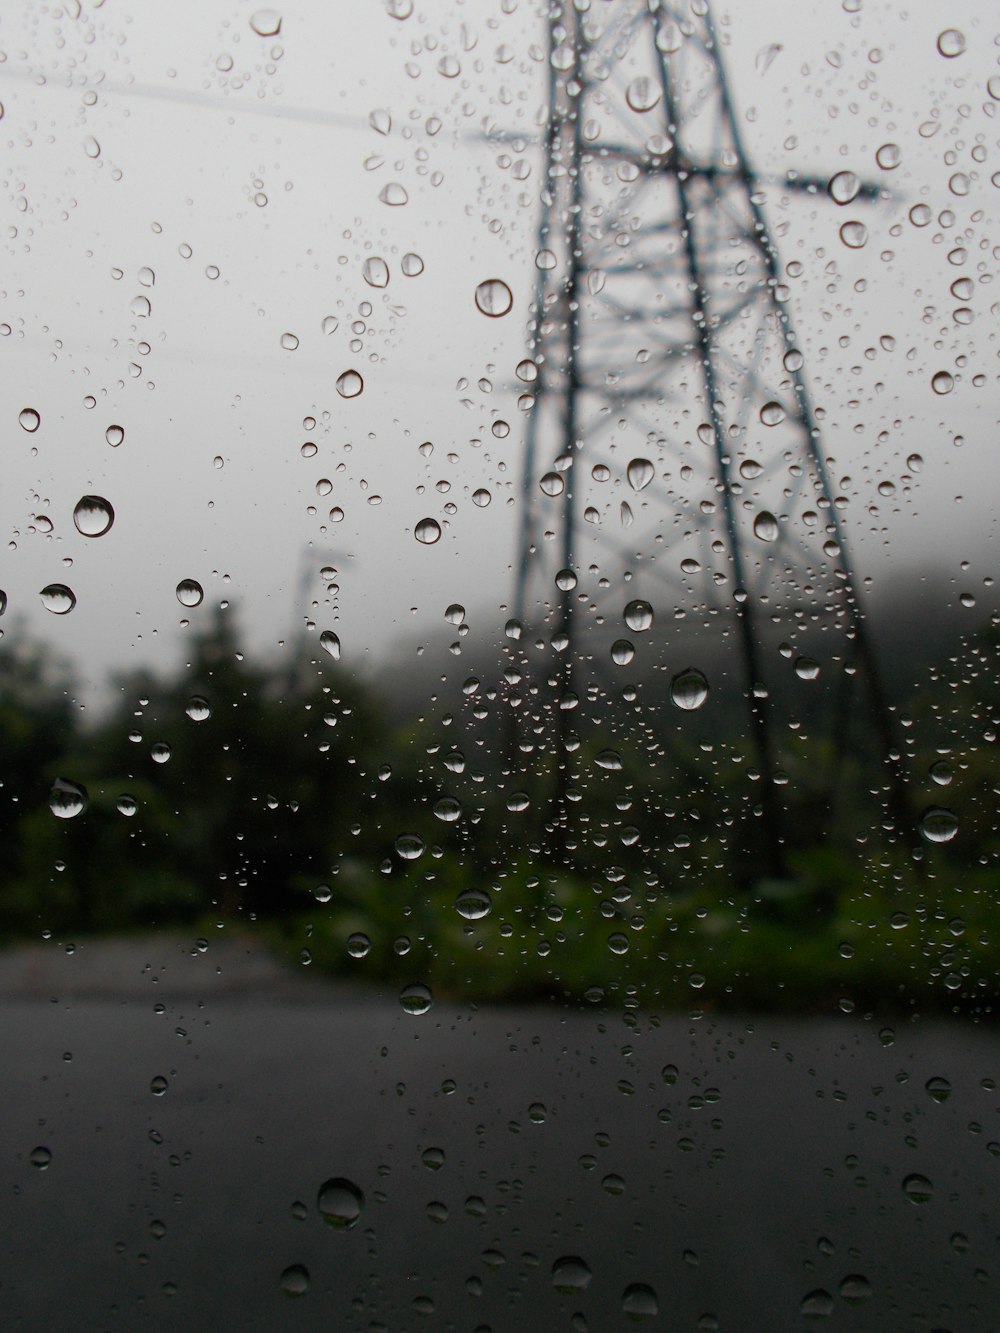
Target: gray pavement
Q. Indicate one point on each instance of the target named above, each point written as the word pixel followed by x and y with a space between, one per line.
pixel 488 1144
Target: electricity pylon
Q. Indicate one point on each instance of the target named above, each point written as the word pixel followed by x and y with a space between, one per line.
pixel 665 368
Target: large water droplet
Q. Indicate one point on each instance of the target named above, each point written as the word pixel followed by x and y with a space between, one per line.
pixel 918 1189
pixel 642 94
pixel 854 234
pixel 888 156
pixel 473 904
pixel 638 615
pixel 448 810
pixel 937 824
pixel 40 1158
pixel 552 483
pixel 640 472
pixel 198 709
pixel 494 298
pixel 330 643
pixel 190 592
pixel 93 515
pixel 689 689
pixel 943 382
pixel 854 1289
pixel 114 436
pixel 938 1089
pixel 266 22
pixel 58 599
pixel 340 1203
pixel 409 846
pixel 358 944
pixel 639 1301
pixel 765 526
pixel 416 999
pixel 427 531
pixel 772 414
pixel 622 652
pixel 816 1304
pixel 376 272
pixel 329 325
pixel 844 187
pixel 570 1275
pixel 29 419
pixel 289 342
pixel 350 384
pixel 951 43
pixel 67 799
pixel 295 1280
pixel 412 265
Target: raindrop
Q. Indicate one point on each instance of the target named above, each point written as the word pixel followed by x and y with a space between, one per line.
pixel 481 497
pixel 553 483
pixel 943 382
pixel 198 709
pixel 765 526
pixel 409 846
pixel 190 592
pixel 609 760
pixel 494 298
pixel 473 904
pixel 126 805
pixel 295 1280
pixel 806 668
pixel 938 824
pixel 942 773
pixel 358 944
pixel 448 810
pixel 266 22
pixel 772 414
pixel 938 1089
pixel 91 147
pixel 818 1303
pixel 854 1289
pixel 330 324
pixel 638 615
pixel 416 999
pixel 395 196
pixel 93 516
pixel 545 261
pixel 350 384
pixel 570 1275
pixel 918 1189
pixel 642 94
pixel 412 265
pixel 565 580
pixel 639 1301
pixel 854 235
pixel 888 156
pixel 427 531
pixel 640 472
pixel 340 1203
pixel 399 9
pixel 455 614
pixel 622 652
pixel 160 753
pixel 750 469
pixel 29 419
pixel 500 429
pixel 844 187
pixel 330 643
pixel 951 43
pixel 289 342
pixel 40 1157
pixel 58 599
pixel 158 1085
pixel 526 371
pixel 375 272
pixel 67 799
pixel 689 689
pixel 380 121
pixel 114 436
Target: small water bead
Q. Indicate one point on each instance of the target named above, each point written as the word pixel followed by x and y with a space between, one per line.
pixel 330 324
pixel 350 384
pixel 289 342
pixel 943 382
pixel 160 753
pixel 126 805
pixel 642 94
pixel 29 420
pixel 772 414
pixel 918 1189
pixel 158 1085
pixel 473 904
pixel 640 472
pixel 412 265
pixel 938 1089
pixel 844 187
pixel 67 799
pixel 571 1274
pixel 40 1158
pixel 190 593
pixel 427 531
pixel 854 234
pixel 295 1280
pixel 58 599
pixel 114 435
pixel 888 156
pixel 639 1301
pixel 380 121
pixel 416 999
pixel 494 298
pixel 409 846
pixel 951 43
pixel 340 1203
pixel 638 615
pixel 689 689
pixel 816 1304
pixel 330 643
pixel 93 515
pixel 198 708
pixel 765 526
pixel 266 22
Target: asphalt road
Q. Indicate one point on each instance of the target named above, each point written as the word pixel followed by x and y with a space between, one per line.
pixel 767 1166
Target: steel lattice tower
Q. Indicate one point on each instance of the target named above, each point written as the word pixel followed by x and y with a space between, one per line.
pixel 663 344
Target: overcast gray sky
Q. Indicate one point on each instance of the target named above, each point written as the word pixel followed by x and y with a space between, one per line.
pixel 134 134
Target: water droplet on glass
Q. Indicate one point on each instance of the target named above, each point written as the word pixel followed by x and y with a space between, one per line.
pixel 114 436
pixel 481 497
pixel 765 526
pixel 888 156
pixel 609 760
pixel 409 846
pixel 640 472
pixel 494 298
pixel 816 1304
pixel 427 531
pixel 552 483
pixel 190 592
pixel 399 9
pixel 638 615
pixel 58 599
pixel 937 824
pixel 854 1289
pixel 844 187
pixel 29 419
pixel 358 944
pixel 642 94
pixel 160 753
pixel 545 261
pixel 639 1301
pixel 689 689
pixel 126 805
pixel 395 196
pixel 330 643
pixel 375 271
pixel 340 1203
pixel 918 1189
pixel 289 342
pixel 938 1089
pixel 951 43
pixel 942 773
pixel 448 810
pixel 943 382
pixel 854 234
pixel 473 904
pixel 158 1085
pixel 198 709
pixel 806 668
pixel 772 414
pixel 67 799
pixel 416 999
pixel 570 1275
pixel 91 147
pixel 93 515
pixel 380 121
pixel 40 1157
pixel 266 22
pixel 412 265
pixel 295 1280
pixel 350 384
pixel 622 652
pixel 330 325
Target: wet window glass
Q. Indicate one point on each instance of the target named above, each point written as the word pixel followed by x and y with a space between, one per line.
pixel 498 671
